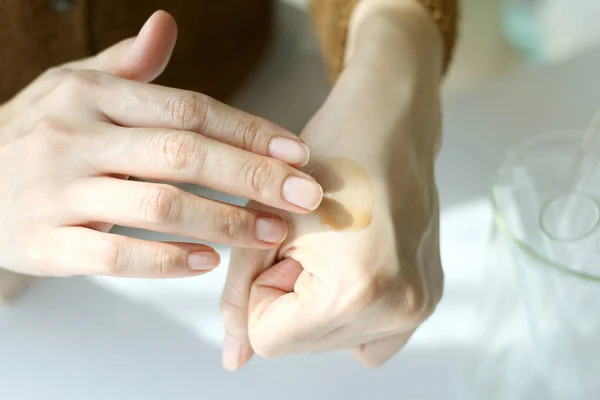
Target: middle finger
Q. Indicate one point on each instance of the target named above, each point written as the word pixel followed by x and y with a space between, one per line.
pixel 136 104
pixel 180 156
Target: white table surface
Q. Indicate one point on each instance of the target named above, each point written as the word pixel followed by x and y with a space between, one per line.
pixel 128 339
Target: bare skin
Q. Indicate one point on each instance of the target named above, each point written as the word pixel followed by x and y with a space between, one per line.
pixel 314 289
pixel 365 289
pixel 70 140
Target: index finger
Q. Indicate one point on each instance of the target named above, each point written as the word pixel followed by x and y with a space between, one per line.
pixel 135 104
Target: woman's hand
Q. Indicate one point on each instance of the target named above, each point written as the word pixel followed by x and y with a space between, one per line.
pixel 373 147
pixel 69 141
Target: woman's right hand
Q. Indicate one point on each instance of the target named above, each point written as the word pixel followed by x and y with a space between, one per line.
pixel 70 140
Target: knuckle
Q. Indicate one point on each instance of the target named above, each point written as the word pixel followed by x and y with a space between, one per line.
pixel 364 291
pixel 404 304
pixel 109 257
pixel 248 134
pixel 234 311
pixel 41 249
pixel 82 79
pixel 165 262
pixel 231 305
pixel 178 151
pixel 74 84
pixel 258 175
pixel 418 298
pixel 415 305
pixel 50 128
pixel 55 136
pixel 411 308
pixel 56 72
pixel 360 295
pixel 232 223
pixel 187 110
pixel 159 204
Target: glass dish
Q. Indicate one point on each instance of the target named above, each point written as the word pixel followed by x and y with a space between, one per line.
pixel 540 334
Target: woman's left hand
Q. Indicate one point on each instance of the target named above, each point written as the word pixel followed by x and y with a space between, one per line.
pixel 366 289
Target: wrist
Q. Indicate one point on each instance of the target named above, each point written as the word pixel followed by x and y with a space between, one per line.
pixel 370 127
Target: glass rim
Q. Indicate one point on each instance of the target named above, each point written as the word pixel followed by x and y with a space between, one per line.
pixel 503 225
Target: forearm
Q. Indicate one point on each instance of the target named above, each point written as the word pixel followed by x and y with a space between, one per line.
pixel 387 94
pixel 394 41
pixel 332 22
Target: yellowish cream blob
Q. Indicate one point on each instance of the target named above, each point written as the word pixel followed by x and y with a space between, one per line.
pixel 348 194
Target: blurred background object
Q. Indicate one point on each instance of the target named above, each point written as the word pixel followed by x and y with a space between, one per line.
pixel 539 316
pixel 566 27
pixel 483 51
pixel 498 36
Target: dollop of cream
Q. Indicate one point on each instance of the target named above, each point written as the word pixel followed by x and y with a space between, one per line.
pixel 348 194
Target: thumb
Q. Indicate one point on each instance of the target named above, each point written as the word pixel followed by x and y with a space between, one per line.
pixel 142 58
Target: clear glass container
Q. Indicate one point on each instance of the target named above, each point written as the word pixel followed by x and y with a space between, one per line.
pixel 540 314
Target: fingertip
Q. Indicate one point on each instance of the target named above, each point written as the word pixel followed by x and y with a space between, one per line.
pixel 161 28
pixel 161 17
pixel 271 230
pixel 231 353
pixel 236 353
pixel 204 260
pixel 167 21
pixel 289 150
pixel 152 48
pixel 162 13
pixel 302 192
pixel 307 150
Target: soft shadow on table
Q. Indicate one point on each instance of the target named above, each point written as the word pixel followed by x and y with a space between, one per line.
pixel 124 350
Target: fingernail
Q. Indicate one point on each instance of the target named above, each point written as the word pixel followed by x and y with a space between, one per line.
pixel 231 353
pixel 289 150
pixel 303 193
pixel 270 230
pixel 204 260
